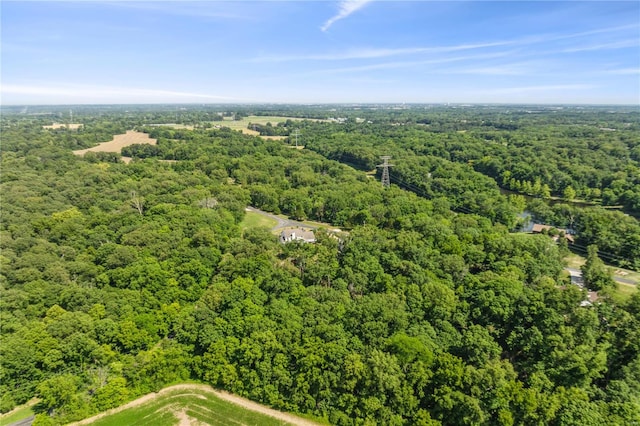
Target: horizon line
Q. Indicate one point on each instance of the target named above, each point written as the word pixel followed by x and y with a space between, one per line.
pixel 475 103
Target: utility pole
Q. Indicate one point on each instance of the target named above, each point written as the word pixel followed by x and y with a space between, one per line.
pixel 386 180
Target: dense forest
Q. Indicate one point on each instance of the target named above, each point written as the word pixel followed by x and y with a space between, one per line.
pixel 118 279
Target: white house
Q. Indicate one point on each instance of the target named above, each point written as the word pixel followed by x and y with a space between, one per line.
pixel 301 234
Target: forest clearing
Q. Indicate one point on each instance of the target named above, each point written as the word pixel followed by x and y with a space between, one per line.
pixel 118 142
pixel 70 126
pixel 244 124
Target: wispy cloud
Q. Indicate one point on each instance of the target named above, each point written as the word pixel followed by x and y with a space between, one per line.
pixel 542 88
pixel 619 28
pixel 495 70
pixel 602 46
pixel 376 53
pixel 407 64
pixel 623 71
pixel 345 8
pixel 373 53
pixel 198 9
pixel 88 93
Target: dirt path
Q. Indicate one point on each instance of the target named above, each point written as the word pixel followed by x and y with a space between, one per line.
pixel 234 399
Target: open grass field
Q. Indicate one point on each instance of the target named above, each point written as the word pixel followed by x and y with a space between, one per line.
pixel 254 220
pixel 241 125
pixel 574 261
pixel 19 413
pixel 185 405
pixel 627 274
pixel 118 142
pixel 174 126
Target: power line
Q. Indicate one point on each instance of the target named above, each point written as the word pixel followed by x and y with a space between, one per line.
pixel 388 177
pixel 386 181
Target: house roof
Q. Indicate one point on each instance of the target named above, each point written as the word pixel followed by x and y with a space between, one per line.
pixel 538 227
pixel 298 234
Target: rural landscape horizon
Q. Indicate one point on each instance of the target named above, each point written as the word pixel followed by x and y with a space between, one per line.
pixel 314 213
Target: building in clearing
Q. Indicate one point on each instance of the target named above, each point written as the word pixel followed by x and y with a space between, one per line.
pixel 539 229
pixel 299 234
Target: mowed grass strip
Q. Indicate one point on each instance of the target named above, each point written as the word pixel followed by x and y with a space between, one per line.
pixel 19 413
pixel 623 292
pixel 255 220
pixel 194 405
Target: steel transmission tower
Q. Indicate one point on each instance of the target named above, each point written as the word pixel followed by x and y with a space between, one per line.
pixel 296 134
pixel 386 180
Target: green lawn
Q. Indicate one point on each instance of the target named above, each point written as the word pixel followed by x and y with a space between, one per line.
pixel 254 220
pixel 197 405
pixel 623 292
pixel 574 261
pixel 19 414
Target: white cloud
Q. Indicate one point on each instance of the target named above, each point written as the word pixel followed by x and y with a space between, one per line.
pixel 406 64
pixel 496 70
pixel 64 93
pixel 197 9
pixel 602 46
pixel 374 53
pixel 543 88
pixel 346 8
pixel 623 71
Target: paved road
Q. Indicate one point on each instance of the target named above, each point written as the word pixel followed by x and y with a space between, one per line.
pixel 24 422
pixel 576 277
pixel 282 223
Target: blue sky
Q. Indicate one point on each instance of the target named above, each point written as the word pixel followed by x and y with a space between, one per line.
pixel 320 52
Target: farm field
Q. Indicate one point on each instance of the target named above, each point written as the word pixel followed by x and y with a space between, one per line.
pixel 71 126
pixel 173 126
pixel 193 405
pixel 118 142
pixel 241 125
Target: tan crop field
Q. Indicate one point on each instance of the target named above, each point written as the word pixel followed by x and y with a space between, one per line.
pixel 118 142
pixel 71 126
pixel 174 126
